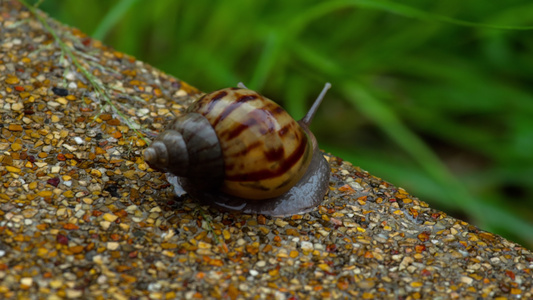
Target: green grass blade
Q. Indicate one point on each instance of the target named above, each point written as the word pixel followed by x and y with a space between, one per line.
pixel 408 141
pixel 112 18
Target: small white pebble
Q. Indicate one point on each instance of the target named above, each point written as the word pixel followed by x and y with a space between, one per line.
pixel 101 279
pixel 105 224
pixel 112 245
pixel 319 246
pixel 78 140
pixel 98 259
pixel 155 286
pixel 79 213
pixel 323 232
pixel 467 280
pixel 156 209
pixel 69 147
pixel 26 281
pixel 53 104
pixel 307 246
pixel 131 209
pixel 180 93
pixel 71 293
pixel 355 185
pixel 17 106
pixel 70 76
pixel 279 222
pixel 143 111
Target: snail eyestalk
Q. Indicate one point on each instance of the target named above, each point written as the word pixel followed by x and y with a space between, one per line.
pixel 311 113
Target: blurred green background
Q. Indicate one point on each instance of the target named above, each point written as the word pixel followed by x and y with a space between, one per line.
pixel 435 97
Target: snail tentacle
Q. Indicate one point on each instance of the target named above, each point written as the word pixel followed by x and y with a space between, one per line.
pixel 312 111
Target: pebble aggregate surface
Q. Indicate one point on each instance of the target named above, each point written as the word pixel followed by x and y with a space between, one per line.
pixel 82 216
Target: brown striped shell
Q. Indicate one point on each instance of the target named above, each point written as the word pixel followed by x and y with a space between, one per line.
pixel 242 151
pixel 265 151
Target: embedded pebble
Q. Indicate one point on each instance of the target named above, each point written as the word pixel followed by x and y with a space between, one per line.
pixel 78 140
pixel 17 106
pixel 112 245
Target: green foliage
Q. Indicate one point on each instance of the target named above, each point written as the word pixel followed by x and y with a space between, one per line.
pixel 432 96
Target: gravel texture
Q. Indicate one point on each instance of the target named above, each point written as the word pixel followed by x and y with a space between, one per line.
pixel 82 216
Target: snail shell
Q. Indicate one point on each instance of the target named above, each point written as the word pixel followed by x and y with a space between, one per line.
pixel 241 151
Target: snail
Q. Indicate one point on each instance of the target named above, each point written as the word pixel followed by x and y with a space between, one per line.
pixel 240 151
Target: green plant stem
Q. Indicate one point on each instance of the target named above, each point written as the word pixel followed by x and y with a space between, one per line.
pixel 96 85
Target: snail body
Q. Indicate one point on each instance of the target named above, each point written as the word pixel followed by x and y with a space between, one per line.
pixel 241 151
